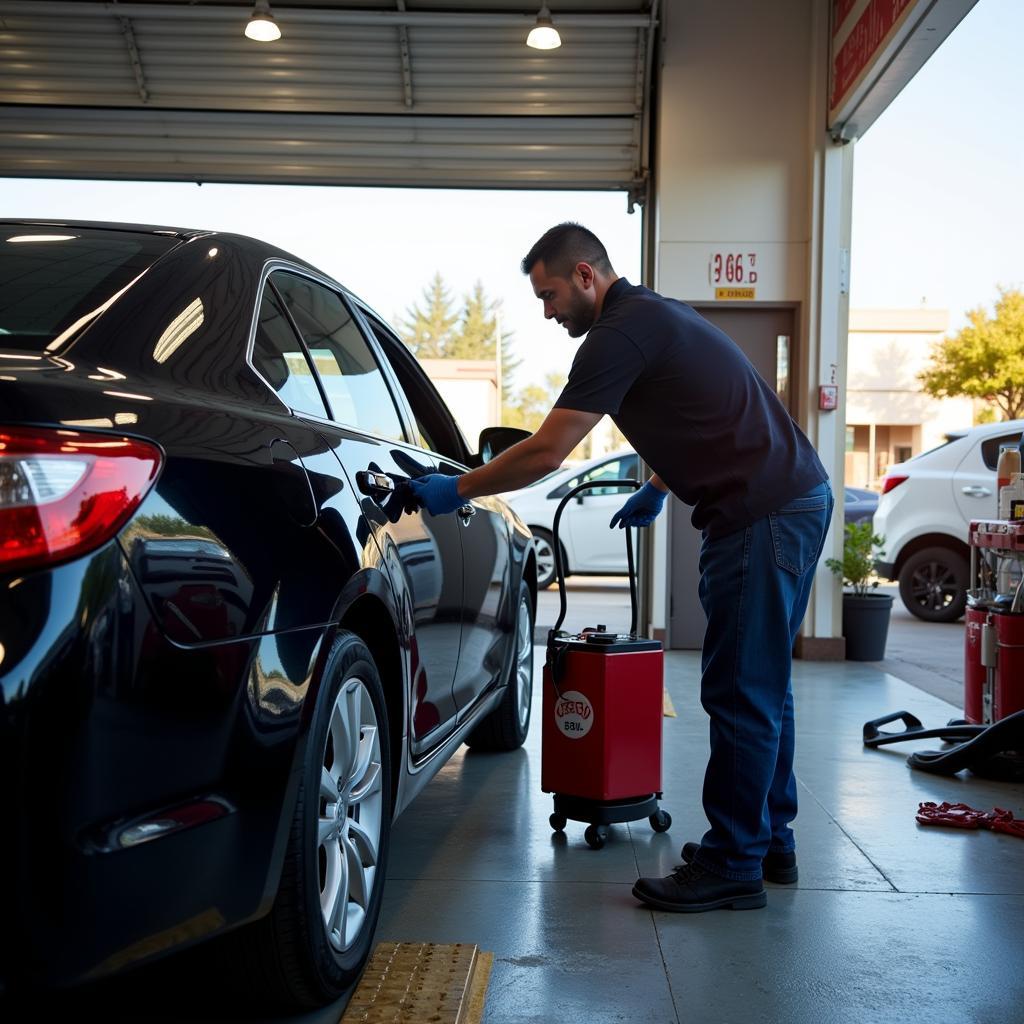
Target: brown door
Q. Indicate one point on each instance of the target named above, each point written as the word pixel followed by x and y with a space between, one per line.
pixel 767 338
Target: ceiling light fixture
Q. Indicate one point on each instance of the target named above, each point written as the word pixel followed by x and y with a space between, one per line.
pixel 544 35
pixel 262 27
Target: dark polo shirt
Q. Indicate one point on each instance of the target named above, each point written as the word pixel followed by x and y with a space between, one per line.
pixel 694 407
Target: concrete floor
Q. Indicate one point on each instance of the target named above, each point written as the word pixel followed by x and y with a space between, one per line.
pixel 890 921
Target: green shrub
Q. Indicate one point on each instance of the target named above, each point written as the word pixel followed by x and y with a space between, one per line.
pixel 860 549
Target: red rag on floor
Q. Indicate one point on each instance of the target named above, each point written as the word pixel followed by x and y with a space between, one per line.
pixel 951 815
pixel 964 816
pixel 1004 821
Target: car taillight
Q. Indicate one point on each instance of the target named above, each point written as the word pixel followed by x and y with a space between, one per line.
pixel 63 492
pixel 889 482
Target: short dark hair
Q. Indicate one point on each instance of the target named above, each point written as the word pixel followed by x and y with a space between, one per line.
pixel 563 246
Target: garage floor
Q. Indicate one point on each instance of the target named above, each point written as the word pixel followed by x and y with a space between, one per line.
pixel 890 921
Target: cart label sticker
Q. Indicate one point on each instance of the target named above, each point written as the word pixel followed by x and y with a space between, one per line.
pixel 574 714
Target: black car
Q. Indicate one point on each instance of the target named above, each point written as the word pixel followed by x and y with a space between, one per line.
pixel 232 647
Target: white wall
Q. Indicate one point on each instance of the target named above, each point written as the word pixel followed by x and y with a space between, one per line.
pixel 744 165
pixel 733 162
pixel 888 348
pixel 470 389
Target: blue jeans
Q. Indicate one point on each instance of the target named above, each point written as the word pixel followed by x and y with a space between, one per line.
pixel 754 587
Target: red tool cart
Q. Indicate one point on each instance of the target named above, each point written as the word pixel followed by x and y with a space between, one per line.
pixel 603 701
pixel 994 642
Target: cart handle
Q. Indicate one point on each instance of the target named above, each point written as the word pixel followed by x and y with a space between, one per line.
pixel 560 568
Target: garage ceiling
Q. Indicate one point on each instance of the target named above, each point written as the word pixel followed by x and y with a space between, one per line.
pixel 383 94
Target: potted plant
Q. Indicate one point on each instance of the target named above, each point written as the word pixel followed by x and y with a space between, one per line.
pixel 865 614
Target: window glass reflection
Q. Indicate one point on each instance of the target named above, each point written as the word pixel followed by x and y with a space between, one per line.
pixel 278 356
pixel 355 387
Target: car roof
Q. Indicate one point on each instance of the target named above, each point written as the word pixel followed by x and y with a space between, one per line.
pixel 1001 427
pixel 138 229
pixel 607 457
pixel 251 246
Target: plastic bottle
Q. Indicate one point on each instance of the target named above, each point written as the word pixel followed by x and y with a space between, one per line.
pixel 1008 476
pixel 1008 464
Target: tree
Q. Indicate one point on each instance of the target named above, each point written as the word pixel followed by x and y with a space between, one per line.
pixel 478 334
pixel 533 403
pixel 429 331
pixel 985 359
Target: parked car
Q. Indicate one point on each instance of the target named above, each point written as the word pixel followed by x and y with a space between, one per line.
pixel 232 647
pixel 926 506
pixel 858 504
pixel 588 546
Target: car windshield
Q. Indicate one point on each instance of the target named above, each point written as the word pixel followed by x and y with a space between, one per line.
pixel 55 280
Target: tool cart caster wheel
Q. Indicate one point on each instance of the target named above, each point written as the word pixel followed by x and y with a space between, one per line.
pixel 557 822
pixel 595 836
pixel 661 821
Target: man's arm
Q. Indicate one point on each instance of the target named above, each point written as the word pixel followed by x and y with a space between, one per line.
pixel 529 460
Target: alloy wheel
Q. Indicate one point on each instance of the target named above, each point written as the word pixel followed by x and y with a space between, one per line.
pixel 350 814
pixel 934 585
pixel 545 553
pixel 524 660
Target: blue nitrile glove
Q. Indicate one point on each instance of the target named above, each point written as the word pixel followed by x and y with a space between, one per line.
pixel 642 508
pixel 437 493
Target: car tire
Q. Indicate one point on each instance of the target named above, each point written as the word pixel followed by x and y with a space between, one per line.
pixel 933 584
pixel 292 958
pixel 505 727
pixel 544 548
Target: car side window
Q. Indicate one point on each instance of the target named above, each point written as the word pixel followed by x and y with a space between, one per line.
pixel 434 424
pixel 277 355
pixel 627 467
pixel 990 448
pixel 356 390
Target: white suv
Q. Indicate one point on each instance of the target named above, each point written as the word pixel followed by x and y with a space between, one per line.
pixel 589 548
pixel 926 506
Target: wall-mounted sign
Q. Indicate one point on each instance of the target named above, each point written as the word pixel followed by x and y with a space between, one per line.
pixel 732 294
pixel 860 33
pixel 725 268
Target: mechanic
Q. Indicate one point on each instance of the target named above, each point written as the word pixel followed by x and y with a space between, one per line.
pixel 717 436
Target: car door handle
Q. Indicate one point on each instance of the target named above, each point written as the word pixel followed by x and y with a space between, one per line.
pixel 375 485
pixel 466 513
pixel 976 491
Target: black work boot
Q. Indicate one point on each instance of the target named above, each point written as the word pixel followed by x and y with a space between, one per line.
pixel 690 889
pixel 776 867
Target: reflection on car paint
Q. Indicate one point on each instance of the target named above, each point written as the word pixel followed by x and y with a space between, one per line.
pixel 280 676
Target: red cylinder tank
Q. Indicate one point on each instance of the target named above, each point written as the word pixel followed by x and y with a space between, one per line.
pixel 1009 688
pixel 974 671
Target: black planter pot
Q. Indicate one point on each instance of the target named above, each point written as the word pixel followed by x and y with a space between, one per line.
pixel 866 625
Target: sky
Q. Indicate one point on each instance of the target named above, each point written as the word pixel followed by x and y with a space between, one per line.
pixel 938 211
pixel 938 200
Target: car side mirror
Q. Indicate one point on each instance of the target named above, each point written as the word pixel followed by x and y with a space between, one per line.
pixel 495 440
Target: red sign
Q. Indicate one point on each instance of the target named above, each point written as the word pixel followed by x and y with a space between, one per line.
pixel 840 9
pixel 868 36
pixel 733 268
